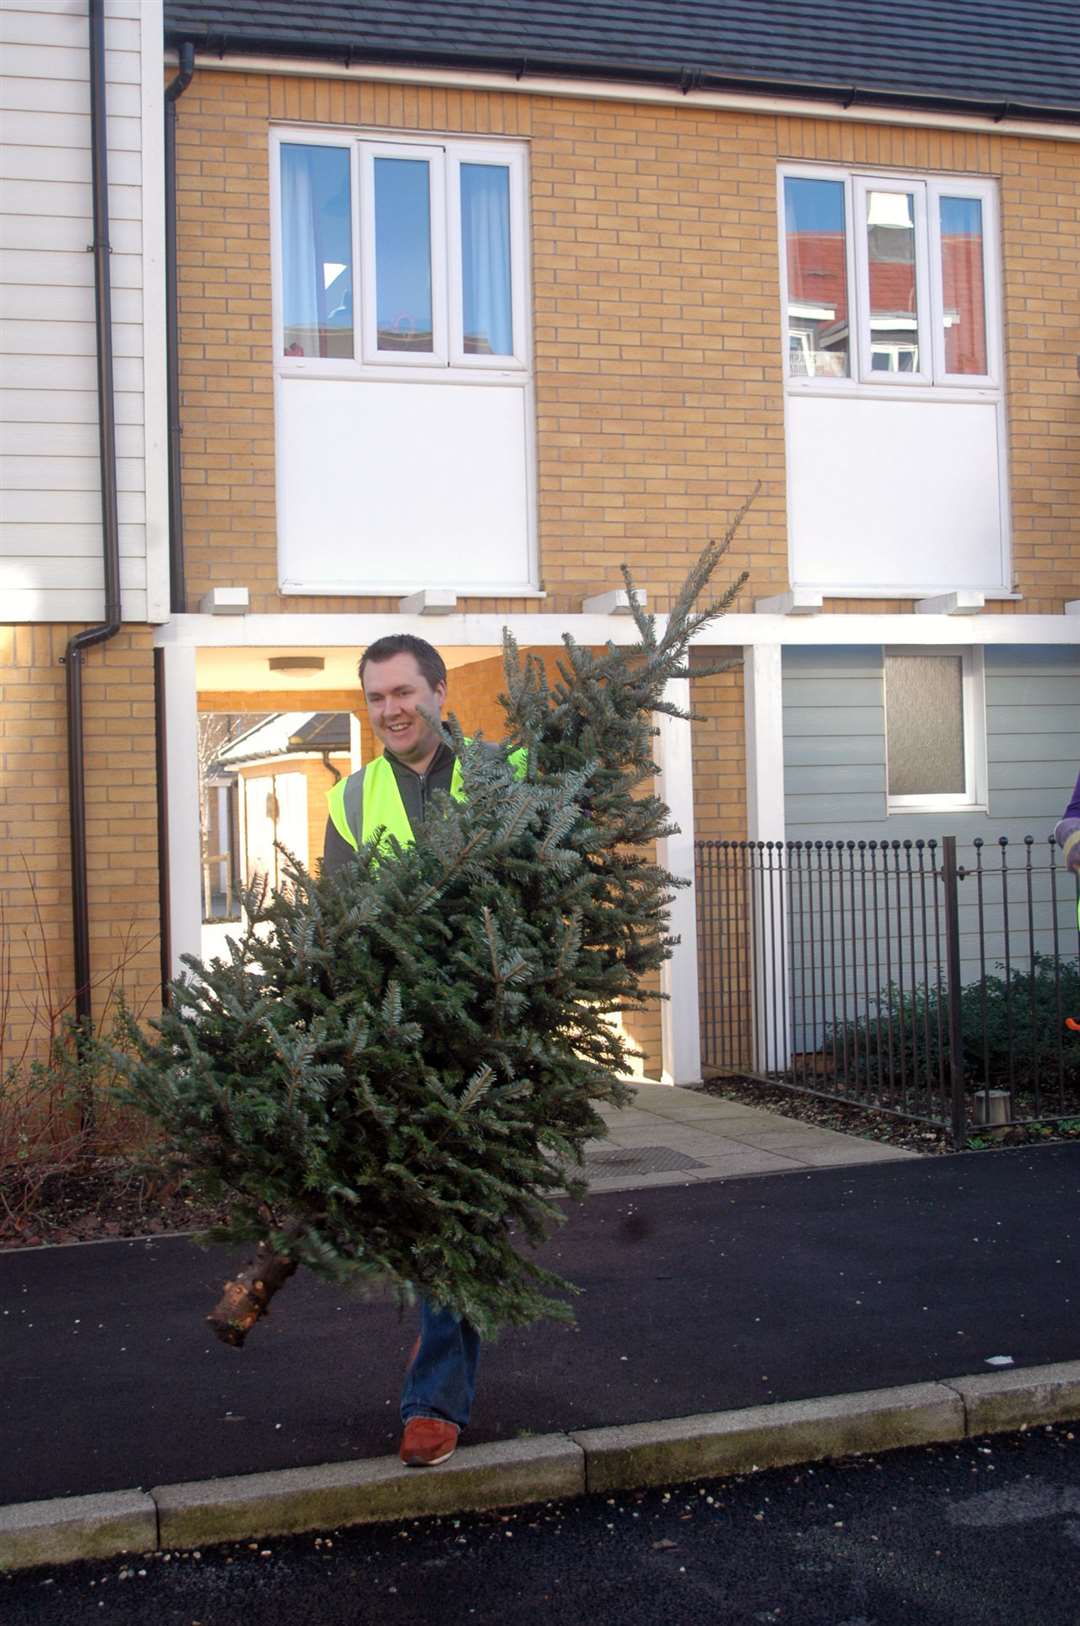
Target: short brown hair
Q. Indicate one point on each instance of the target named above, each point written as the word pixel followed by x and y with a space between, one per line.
pixel 427 658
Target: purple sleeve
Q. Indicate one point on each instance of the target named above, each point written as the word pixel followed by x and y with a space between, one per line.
pixel 1073 809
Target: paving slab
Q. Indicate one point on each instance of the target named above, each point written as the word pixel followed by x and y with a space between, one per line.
pixel 718 1132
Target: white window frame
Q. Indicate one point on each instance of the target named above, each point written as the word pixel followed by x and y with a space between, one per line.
pixel 928 190
pixel 499 157
pixel 433 156
pixel 974 797
pixel 861 190
pixel 987 194
pixel 449 361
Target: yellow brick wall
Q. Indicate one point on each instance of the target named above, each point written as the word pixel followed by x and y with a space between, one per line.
pixel 36 928
pixel 656 359
pixel 720 814
pixel 656 327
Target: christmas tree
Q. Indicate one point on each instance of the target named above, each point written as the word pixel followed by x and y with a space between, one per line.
pixel 395 1081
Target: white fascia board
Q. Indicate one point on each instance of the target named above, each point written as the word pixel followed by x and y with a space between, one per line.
pixel 892 629
pixel 602 90
pixel 274 757
pixel 339 631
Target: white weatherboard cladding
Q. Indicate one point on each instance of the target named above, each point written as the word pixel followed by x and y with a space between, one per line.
pixel 834 746
pixel 896 496
pixel 386 485
pixel 50 516
pixel 835 775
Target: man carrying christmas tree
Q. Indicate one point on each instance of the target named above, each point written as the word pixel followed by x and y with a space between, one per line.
pixel 395 1079
pixel 403 677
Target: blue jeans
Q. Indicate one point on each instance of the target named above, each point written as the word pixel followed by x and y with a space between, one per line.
pixel 441 1381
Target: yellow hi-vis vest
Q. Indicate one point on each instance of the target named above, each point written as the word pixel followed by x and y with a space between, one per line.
pixel 371 798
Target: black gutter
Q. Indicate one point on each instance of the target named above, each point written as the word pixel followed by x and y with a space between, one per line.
pixel 109 527
pixel 173 92
pixel 676 76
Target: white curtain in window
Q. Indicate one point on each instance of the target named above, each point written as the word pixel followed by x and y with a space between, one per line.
pixel 485 260
pixel 301 257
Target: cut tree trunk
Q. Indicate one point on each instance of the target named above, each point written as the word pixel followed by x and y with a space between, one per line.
pixel 246 1298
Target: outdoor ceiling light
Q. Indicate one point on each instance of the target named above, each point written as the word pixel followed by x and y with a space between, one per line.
pixel 297 663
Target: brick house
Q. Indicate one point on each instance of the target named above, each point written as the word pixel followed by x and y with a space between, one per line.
pixel 476 303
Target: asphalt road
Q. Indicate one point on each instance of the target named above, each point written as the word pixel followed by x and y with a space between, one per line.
pixel 694 1299
pixel 982 1534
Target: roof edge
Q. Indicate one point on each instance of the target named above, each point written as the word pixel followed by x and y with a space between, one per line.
pixel 684 79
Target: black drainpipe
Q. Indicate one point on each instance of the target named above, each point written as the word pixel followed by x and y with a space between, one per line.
pixel 173 92
pixel 110 530
pixel 177 592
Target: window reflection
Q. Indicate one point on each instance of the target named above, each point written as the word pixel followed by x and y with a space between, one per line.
pixel 818 332
pixel 403 254
pixel 894 316
pixel 316 251
pixel 963 292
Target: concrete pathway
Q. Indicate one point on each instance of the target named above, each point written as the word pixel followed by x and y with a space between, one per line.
pixel 671 1136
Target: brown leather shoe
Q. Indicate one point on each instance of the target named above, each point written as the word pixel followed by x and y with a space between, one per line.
pixel 428 1440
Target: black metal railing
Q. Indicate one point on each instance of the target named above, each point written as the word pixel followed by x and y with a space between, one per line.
pixel 894 974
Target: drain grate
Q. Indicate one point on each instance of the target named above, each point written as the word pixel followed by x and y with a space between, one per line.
pixel 639 1160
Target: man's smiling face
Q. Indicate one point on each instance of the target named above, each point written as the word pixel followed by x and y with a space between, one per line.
pixel 394 690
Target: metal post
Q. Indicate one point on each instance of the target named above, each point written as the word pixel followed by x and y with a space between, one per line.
pixel 951 882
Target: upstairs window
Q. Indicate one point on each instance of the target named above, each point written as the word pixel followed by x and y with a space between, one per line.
pixel 403 399
pixel 403 254
pixel 889 280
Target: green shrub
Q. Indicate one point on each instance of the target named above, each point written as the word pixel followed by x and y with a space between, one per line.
pixel 1012 1031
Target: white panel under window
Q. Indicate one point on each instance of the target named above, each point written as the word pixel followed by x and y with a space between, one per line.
pixel 891 495
pixel 387 486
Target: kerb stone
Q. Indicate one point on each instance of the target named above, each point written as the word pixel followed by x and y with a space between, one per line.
pixel 1020 1397
pixel 74 1527
pixel 510 1474
pixel 719 1443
